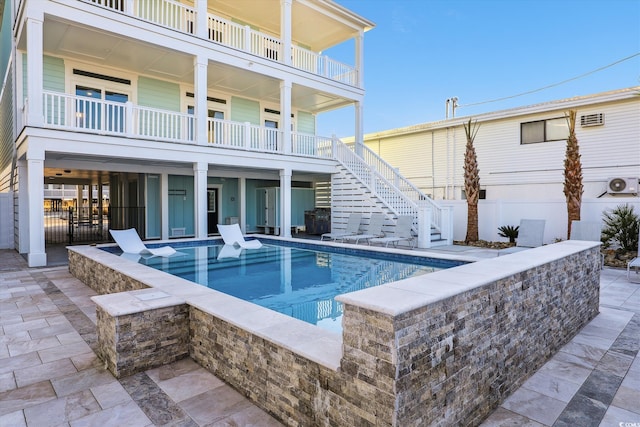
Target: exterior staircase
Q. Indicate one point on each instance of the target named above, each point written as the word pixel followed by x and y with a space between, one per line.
pixel 367 184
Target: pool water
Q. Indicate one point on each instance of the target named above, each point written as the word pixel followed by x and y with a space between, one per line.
pixel 298 282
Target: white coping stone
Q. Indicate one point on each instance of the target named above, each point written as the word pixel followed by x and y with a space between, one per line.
pixel 399 297
pixel 124 303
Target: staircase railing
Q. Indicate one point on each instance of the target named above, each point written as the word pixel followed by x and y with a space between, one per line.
pixel 400 195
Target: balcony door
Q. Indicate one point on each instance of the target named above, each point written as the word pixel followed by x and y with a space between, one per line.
pixel 215 130
pixel 271 136
pixel 100 109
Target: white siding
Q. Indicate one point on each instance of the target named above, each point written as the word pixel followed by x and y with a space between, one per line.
pixel 432 158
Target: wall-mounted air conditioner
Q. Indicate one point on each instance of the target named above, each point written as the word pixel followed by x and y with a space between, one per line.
pixel 622 186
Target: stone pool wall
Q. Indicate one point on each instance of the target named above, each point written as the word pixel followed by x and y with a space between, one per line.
pixel 440 349
pixel 453 361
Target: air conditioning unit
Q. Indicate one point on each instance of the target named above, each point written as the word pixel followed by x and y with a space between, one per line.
pixel 622 185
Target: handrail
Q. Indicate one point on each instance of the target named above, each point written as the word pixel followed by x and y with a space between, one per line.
pixel 181 17
pixel 168 13
pixel 387 183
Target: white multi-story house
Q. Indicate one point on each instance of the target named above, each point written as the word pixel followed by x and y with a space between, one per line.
pixel 193 113
pixel 520 155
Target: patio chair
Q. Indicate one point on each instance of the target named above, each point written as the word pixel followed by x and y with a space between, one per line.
pixel 353 226
pixel 373 230
pixel 634 266
pixel 530 235
pixel 591 231
pixel 130 243
pixel 402 231
pixel 232 235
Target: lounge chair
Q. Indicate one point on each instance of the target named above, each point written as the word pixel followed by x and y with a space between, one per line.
pixel 634 265
pixel 232 235
pixel 373 230
pixel 130 243
pixel 353 226
pixel 530 235
pixel 401 232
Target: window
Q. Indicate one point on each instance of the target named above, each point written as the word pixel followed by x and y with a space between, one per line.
pixel 90 113
pixel 544 131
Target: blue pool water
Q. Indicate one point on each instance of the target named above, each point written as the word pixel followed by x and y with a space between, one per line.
pixel 291 278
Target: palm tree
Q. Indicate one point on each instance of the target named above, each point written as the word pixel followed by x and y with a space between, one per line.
pixel 471 181
pixel 573 188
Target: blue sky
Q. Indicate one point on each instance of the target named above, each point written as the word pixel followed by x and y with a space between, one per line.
pixel 422 52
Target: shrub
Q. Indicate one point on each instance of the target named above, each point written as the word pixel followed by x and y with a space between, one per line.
pixel 621 228
pixel 509 231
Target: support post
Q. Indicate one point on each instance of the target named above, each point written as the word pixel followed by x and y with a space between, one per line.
pixel 35 191
pixel 285 202
pixel 424 225
pixel 200 191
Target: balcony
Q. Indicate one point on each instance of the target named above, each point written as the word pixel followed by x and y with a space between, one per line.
pixel 83 114
pixel 183 18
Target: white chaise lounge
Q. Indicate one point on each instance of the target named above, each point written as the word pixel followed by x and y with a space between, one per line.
pixel 232 235
pixel 130 243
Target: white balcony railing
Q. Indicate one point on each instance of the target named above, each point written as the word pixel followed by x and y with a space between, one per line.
pixel 167 13
pixel 79 113
pixel 181 17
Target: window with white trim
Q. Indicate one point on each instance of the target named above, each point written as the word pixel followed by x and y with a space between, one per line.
pixel 544 131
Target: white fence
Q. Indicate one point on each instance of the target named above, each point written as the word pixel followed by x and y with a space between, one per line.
pixel 496 213
pixel 6 224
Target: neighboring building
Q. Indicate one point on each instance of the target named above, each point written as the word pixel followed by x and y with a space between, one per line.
pixel 521 151
pixel 521 154
pixel 188 114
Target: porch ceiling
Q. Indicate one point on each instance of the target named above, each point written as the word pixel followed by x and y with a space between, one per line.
pixel 64 168
pixel 318 31
pixel 128 56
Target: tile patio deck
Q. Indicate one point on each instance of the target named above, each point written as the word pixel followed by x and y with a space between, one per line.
pixel 50 375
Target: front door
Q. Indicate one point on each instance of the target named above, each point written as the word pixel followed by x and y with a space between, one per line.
pixel 212 210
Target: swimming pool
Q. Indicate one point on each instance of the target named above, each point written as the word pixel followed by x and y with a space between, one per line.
pixel 294 279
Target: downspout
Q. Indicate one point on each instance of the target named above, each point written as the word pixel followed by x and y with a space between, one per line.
pixel 433 166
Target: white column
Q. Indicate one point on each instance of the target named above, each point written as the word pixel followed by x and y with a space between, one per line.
pixel 285 114
pixel 285 29
pixel 200 196
pixel 242 203
pixel 360 59
pixel 35 190
pixel 202 29
pixel 164 205
pixel 35 115
pixel 285 202
pixel 359 135
pixel 200 93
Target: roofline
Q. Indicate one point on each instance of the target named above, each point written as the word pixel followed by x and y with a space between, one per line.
pixel 341 10
pixel 614 95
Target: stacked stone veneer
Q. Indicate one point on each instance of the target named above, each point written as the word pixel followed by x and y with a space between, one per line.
pixel 99 276
pixel 134 342
pixel 412 353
